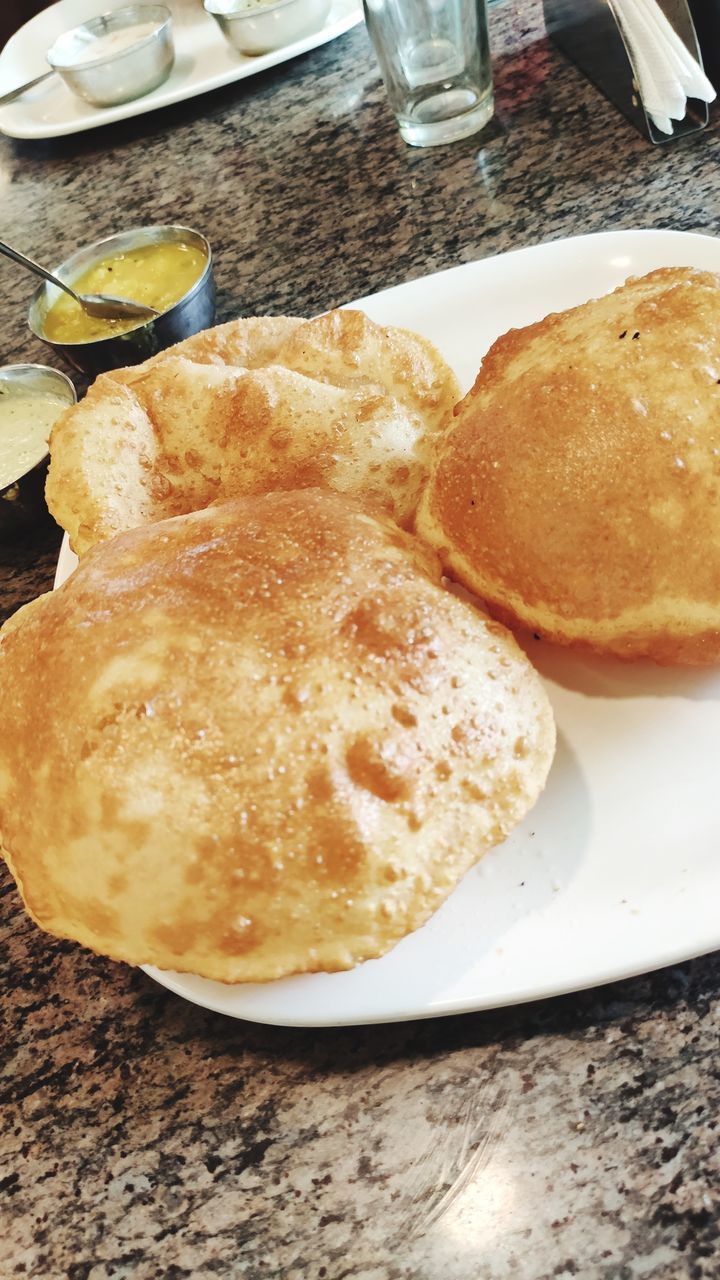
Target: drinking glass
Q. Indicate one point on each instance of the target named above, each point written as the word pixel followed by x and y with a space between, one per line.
pixel 434 57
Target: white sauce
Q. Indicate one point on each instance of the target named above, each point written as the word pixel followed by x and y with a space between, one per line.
pixel 113 42
pixel 25 422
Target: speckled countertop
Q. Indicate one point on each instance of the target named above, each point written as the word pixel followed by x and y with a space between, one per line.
pixel 139 1135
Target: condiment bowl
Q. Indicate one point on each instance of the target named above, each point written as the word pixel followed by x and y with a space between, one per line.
pixel 255 27
pixel 194 311
pixel 22 498
pixel 117 56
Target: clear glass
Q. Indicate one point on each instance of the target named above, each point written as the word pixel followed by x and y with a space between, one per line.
pixel 434 56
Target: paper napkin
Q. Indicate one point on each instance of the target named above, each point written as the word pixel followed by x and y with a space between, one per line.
pixel 665 71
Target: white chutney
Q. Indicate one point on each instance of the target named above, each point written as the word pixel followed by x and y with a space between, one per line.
pixel 26 419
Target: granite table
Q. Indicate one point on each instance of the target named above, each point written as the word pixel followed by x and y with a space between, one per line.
pixel 141 1136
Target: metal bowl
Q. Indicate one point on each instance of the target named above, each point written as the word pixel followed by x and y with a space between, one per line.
pixel 254 27
pixel 193 312
pixel 103 64
pixel 22 501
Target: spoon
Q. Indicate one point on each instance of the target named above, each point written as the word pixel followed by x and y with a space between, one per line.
pixel 23 88
pixel 95 304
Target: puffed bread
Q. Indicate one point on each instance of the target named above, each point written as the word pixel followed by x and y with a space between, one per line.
pixel 578 490
pixel 255 405
pixel 265 741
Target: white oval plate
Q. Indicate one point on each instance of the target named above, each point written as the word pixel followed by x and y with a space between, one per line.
pixel 203 60
pixel 617 869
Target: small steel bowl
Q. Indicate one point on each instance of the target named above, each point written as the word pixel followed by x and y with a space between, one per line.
pixel 22 501
pixel 254 27
pixel 101 63
pixel 193 312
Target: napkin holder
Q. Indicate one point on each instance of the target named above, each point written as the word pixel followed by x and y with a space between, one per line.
pixel 586 32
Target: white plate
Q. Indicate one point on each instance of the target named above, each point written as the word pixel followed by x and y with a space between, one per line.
pixel 204 60
pixel 617 869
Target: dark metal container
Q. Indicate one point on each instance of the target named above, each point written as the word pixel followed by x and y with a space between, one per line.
pixel 194 311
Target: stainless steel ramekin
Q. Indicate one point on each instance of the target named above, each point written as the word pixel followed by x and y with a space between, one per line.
pixel 104 75
pixel 257 28
pixel 193 312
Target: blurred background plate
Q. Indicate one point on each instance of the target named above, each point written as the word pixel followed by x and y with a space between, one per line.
pixel 203 61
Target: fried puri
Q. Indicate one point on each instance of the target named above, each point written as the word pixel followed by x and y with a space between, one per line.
pixel 266 740
pixel 578 490
pixel 256 405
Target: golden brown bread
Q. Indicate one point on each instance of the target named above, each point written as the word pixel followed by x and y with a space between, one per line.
pixel 578 491
pixel 255 405
pixel 266 740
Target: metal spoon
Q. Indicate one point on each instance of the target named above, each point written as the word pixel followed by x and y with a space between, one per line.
pixel 95 304
pixel 23 88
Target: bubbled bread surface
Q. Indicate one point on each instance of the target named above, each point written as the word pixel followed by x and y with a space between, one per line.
pixel 266 741
pixel 578 490
pixel 255 405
